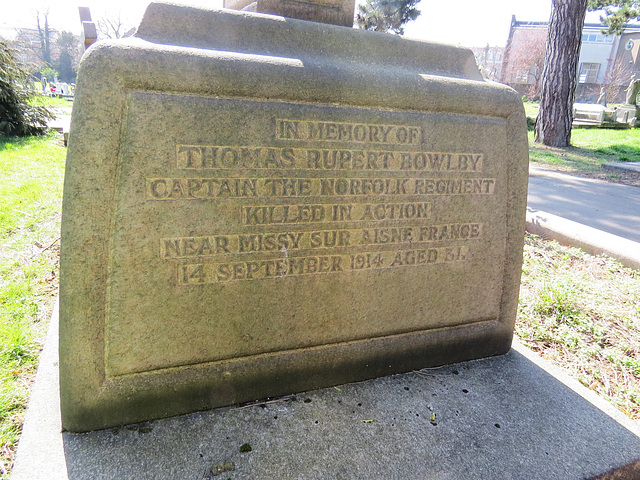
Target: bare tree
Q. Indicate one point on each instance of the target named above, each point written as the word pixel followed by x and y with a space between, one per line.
pixel 526 60
pixel 617 78
pixel 489 60
pixel 44 34
pixel 113 26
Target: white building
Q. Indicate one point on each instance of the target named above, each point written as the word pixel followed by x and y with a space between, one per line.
pixel 602 60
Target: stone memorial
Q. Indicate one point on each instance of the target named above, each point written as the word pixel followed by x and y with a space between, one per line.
pixel 256 205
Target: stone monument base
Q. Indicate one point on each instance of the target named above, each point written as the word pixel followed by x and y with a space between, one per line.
pixel 627 113
pixel 513 416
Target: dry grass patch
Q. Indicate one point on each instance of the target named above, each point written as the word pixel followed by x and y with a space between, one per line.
pixel 583 313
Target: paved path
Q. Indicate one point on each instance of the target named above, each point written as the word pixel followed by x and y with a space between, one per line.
pixel 62 122
pixel 609 207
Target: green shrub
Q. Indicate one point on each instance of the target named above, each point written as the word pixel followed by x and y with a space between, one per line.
pixel 17 116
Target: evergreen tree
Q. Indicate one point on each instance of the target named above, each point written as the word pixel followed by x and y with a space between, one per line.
pixel 386 15
pixel 69 46
pixel 17 117
pixel 616 13
pixel 64 65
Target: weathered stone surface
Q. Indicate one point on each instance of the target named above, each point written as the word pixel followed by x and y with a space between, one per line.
pixel 257 206
pixel 335 12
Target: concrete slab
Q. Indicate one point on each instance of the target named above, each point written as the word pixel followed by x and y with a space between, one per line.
pixel 61 123
pixel 627 167
pixel 504 417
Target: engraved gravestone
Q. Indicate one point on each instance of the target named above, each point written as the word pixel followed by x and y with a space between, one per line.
pixel 257 206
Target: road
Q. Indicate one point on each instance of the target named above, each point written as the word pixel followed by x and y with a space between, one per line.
pixel 610 207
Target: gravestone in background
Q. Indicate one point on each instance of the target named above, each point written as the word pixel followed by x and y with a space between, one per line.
pixel 257 206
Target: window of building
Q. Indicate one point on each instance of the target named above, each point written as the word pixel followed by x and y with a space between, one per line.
pixel 588 72
pixel 596 38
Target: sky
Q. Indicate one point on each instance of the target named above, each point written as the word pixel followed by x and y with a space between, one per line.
pixel 472 23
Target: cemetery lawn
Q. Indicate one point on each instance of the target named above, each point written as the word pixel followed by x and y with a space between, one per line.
pixel 49 101
pixel 531 108
pixel 31 175
pixel 591 147
pixel 583 313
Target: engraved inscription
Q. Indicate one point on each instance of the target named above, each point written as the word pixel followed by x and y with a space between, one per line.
pixel 203 273
pixel 312 130
pixel 289 200
pixel 200 188
pixel 204 157
pixel 358 212
pixel 394 237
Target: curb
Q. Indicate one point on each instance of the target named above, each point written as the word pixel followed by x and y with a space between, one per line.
pixel 625 167
pixel 591 240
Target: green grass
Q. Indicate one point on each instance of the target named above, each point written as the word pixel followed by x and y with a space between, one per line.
pixel 49 101
pixel 31 174
pixel 531 109
pixel 583 313
pixel 590 147
pixel 624 145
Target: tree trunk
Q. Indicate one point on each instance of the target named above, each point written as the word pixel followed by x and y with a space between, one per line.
pixel 559 76
pixel 45 39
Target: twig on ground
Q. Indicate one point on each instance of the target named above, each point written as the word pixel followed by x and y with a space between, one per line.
pixel 266 402
pixel 45 249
